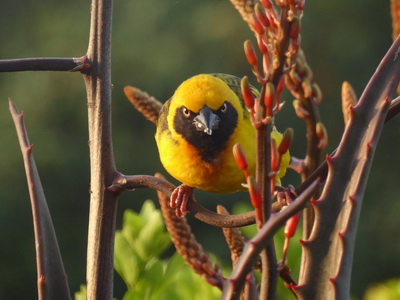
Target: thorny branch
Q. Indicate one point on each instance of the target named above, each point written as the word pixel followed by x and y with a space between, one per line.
pixel 78 64
pixel 52 280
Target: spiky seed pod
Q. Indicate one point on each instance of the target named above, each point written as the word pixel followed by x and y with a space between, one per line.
pixel 306 85
pixel 235 240
pixel 300 111
pixel 147 105
pixel 244 7
pixel 187 246
pixel 233 236
pixel 316 93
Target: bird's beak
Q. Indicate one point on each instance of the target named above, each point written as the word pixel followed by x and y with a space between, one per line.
pixel 206 121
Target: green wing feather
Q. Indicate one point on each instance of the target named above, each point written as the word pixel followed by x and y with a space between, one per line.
pixel 234 84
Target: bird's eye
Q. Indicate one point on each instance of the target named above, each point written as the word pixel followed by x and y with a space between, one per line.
pixel 224 107
pixel 185 112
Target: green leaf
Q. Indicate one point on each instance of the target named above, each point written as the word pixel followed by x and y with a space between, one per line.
pixel 147 211
pixel 137 261
pixel 132 225
pixel 126 261
pixel 387 290
pixel 81 295
pixel 152 239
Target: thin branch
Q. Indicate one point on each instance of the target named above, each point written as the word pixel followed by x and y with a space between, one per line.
pixel 45 64
pixel 103 203
pixel 131 182
pixel 254 247
pixel 52 280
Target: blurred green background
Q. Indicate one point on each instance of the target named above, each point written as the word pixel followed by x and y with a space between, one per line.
pixel 156 45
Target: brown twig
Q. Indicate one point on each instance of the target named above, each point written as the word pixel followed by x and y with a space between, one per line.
pixel 131 182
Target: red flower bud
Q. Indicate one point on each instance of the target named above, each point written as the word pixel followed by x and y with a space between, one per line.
pixel 247 94
pixel 256 25
pixel 291 225
pixel 255 194
pixel 262 17
pixel 269 97
pixel 286 141
pixel 266 3
pixel 239 156
pixel 250 53
pixel 274 157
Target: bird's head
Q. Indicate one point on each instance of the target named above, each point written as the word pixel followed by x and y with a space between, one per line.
pixel 205 111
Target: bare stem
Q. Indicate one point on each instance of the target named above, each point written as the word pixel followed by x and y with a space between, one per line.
pixel 103 202
pixel 252 249
pixel 44 64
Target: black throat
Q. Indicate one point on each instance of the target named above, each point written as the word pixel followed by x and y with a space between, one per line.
pixel 209 146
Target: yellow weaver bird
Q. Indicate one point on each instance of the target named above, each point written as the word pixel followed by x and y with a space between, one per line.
pixel 196 131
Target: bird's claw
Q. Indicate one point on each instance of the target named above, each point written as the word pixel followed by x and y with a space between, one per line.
pixel 286 195
pixel 179 199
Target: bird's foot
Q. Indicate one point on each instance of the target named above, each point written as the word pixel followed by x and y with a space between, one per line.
pixel 179 199
pixel 286 195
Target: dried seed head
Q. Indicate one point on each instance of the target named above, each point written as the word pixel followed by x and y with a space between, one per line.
pixel 306 85
pixel 316 93
pixel 144 103
pixel 301 112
